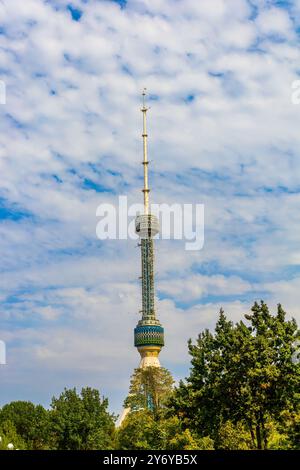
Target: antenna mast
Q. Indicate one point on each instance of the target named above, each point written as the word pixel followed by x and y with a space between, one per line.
pixel 145 162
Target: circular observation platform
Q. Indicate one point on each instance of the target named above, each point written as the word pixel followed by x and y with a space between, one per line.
pixel 149 335
pixel 146 225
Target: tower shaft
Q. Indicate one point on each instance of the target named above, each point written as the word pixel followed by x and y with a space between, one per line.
pixel 147 257
pixel 148 334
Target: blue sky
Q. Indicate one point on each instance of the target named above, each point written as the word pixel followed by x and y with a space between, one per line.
pixel 222 131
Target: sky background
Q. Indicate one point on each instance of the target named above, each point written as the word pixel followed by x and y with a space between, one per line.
pixel 222 132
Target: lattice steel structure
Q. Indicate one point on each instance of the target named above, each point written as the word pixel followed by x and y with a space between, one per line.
pixel 148 334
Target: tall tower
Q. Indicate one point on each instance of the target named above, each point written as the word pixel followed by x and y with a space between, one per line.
pixel 148 334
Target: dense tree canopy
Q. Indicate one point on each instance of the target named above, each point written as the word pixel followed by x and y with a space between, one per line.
pixel 142 430
pixel 149 389
pixel 147 425
pixel 81 422
pixel 9 438
pixel 243 374
pixel 29 421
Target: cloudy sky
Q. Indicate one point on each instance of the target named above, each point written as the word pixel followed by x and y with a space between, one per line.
pixel 222 132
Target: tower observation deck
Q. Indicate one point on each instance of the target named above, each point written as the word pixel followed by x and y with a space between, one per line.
pixel 148 334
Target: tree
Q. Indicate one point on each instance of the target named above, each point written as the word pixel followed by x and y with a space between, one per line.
pixel 243 374
pixel 141 431
pixel 29 421
pixel 81 422
pixel 234 436
pixel 289 428
pixel 9 436
pixel 146 426
pixel 176 437
pixel 137 431
pixel 150 387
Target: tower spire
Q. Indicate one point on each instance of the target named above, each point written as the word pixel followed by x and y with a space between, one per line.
pixel 145 162
pixel 148 334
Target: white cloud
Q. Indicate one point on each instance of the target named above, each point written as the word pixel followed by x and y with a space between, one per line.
pixel 197 286
pixel 275 21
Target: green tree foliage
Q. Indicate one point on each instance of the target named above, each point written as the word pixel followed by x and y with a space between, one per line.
pixel 149 388
pixel 9 435
pixel 241 374
pixel 137 431
pixel 146 426
pixel 234 437
pixel 176 437
pixel 287 431
pixel 142 431
pixel 29 421
pixel 81 422
pixel 294 431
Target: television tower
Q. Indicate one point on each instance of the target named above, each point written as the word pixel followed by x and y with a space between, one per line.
pixel 148 334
